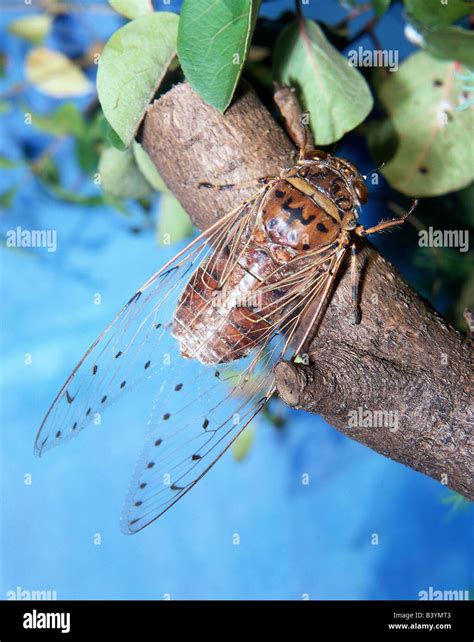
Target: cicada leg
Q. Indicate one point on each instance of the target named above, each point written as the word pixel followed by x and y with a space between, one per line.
pixel 262 180
pixel 355 268
pixel 307 150
pixel 355 281
pixel 385 225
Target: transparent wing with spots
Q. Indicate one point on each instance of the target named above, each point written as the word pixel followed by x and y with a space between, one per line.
pixel 125 355
pixel 196 415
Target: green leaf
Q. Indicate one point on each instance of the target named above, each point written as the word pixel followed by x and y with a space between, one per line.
pixel 111 136
pixel 90 143
pixel 48 172
pixel 132 9
pixel 78 199
pixel 458 503
pixel 7 163
pixel 131 68
pixel 213 43
pixel 451 43
pixel 55 75
pixel 31 28
pixel 120 176
pixel 86 154
pixel 6 198
pixel 174 223
pixel 380 6
pixel 67 119
pixel 437 13
pixel 243 444
pixel 432 156
pixel 3 64
pixel 334 92
pixel 147 168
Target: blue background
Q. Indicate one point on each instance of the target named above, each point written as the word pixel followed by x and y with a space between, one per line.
pixel 295 540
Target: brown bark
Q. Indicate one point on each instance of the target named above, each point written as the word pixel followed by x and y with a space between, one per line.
pixel 402 358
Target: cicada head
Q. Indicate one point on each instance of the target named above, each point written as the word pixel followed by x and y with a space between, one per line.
pixel 354 179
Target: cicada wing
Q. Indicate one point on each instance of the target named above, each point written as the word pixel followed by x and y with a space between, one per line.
pixel 197 414
pixel 196 410
pixel 125 354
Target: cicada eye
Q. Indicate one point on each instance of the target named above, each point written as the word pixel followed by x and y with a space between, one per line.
pixel 361 191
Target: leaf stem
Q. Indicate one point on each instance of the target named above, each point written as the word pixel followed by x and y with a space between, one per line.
pixel 353 13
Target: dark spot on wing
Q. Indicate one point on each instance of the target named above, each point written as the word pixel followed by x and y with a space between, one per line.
pixel 166 416
pixel 423 170
pixel 122 385
pixel 437 83
pixel 321 227
pixel 139 503
pixel 178 386
pixel 217 374
pixel 88 412
pixel 176 487
pixel 69 398
pixel 279 193
pixel 150 464
pixel 147 365
pixel 205 423
pixel 74 426
pixel 104 399
pixel 195 457
pixel 119 353
pixel 94 369
pixel 157 325
pixel 143 485
pixel 305 246
pixel 135 297
pixel 158 442
pixel 58 434
pixel 172 269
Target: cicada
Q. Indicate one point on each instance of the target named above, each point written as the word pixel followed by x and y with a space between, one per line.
pixel 201 336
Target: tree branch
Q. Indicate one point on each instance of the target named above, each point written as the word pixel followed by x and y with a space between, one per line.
pixel 402 360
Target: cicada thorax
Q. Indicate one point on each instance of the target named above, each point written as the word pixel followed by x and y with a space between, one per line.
pixel 292 219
